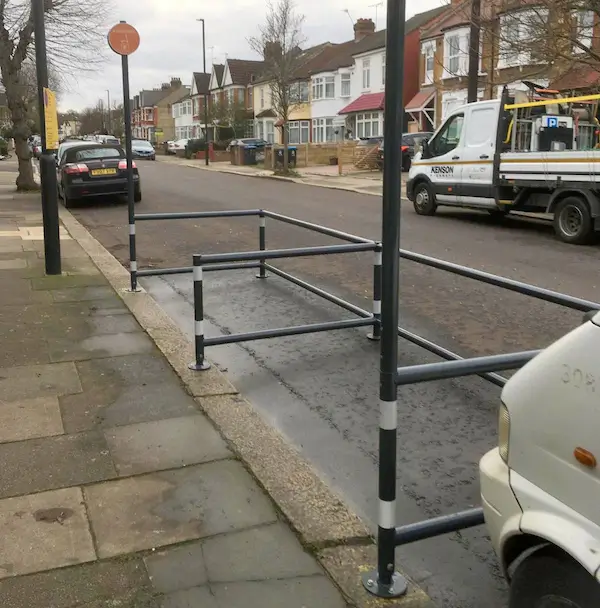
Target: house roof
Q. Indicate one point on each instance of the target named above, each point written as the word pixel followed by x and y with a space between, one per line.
pixel 243 71
pixel 148 99
pixel 202 82
pixel 365 103
pixel 184 96
pixel 268 113
pixel 219 69
pixel 305 61
pixel 580 76
pixel 421 99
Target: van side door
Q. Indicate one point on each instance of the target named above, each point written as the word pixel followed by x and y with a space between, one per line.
pixel 443 165
pixel 477 160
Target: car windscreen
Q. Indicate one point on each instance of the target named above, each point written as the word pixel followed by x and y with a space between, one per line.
pixel 139 143
pixel 95 153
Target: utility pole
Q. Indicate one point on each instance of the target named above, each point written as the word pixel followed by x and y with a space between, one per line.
pixel 474 38
pixel 108 113
pixel 47 158
pixel 206 133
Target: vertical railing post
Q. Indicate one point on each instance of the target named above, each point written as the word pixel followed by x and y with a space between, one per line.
pixel 200 363
pixel 376 333
pixel 384 581
pixel 262 243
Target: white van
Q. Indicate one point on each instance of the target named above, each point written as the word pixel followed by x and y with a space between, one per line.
pixel 541 487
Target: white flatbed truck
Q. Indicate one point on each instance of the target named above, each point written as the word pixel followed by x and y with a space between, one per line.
pixel 502 157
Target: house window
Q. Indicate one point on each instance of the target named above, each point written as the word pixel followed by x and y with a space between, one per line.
pixel 522 33
pixel 367 125
pixel 262 97
pixel 318 88
pixel 429 54
pixel 270 131
pixel 322 130
pixel 583 33
pixel 346 85
pixel 239 94
pixel 330 87
pixel 303 92
pixel 230 96
pixel 260 129
pixel 383 70
pixel 453 54
pixel 366 74
pixel 299 132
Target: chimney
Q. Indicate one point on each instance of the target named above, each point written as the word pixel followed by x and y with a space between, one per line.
pixel 363 28
pixel 165 86
pixel 175 83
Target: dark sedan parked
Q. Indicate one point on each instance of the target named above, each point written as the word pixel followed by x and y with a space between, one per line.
pixel 410 146
pixel 89 170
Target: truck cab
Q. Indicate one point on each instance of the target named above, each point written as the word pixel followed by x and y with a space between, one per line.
pixel 540 487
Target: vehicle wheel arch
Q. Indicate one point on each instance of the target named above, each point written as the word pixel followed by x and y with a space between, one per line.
pixel 519 547
pixel 586 195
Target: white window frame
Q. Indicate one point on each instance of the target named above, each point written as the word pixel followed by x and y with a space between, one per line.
pixel 270 131
pixel 329 87
pixel 428 52
pixel 299 132
pixel 454 62
pixel 318 88
pixel 366 74
pixel 583 30
pixel 346 85
pixel 368 124
pixel 383 71
pixel 514 22
pixel 322 130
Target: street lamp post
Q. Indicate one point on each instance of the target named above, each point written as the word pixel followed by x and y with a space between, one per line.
pixel 108 112
pixel 206 132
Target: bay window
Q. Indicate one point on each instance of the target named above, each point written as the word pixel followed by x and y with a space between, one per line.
pixel 298 132
pixel 428 51
pixel 583 22
pixel 368 125
pixel 453 54
pixel 523 36
pixel 270 131
pixel 330 87
pixel 322 130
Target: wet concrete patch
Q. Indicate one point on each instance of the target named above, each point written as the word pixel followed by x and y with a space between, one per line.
pixel 54 462
pixel 160 509
pixel 100 347
pixel 82 294
pixel 32 545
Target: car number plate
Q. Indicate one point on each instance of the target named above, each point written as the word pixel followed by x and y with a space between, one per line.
pixel 104 172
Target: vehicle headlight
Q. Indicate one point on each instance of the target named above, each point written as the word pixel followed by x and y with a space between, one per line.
pixel 503 432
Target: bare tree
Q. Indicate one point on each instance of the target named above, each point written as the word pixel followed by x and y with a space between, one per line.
pixel 279 42
pixel 75 31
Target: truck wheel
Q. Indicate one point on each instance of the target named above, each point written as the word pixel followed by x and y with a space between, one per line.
pixel 424 202
pixel 551 579
pixel 573 221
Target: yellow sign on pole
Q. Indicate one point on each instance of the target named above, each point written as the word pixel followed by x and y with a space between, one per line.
pixel 51 119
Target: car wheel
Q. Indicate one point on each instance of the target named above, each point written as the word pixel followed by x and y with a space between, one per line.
pixel 551 579
pixel 573 221
pixel 406 163
pixel 137 196
pixel 424 199
pixel 67 201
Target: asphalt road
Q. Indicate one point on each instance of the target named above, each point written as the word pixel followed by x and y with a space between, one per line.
pixel 321 390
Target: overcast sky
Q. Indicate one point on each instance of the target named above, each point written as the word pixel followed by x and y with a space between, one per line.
pixel 171 39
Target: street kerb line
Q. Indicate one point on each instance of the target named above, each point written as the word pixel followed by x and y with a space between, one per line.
pixel 325 525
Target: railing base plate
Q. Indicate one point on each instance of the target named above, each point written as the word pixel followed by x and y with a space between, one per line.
pixel 199 368
pixel 397 588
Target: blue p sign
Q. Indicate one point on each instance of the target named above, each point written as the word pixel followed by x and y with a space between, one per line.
pixel 552 121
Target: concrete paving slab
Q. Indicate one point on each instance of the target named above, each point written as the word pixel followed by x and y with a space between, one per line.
pixel 164 444
pixel 54 462
pixel 66 281
pixel 112 406
pixel 43 531
pixel 268 552
pixel 199 597
pixel 15 264
pixel 101 346
pixel 29 419
pixel 21 293
pixel 118 581
pixel 30 381
pixel 10 244
pixel 82 294
pixel 22 345
pixel 177 568
pixel 291 593
pixel 160 509
pixel 87 324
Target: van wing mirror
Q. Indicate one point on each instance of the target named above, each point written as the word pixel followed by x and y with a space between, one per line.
pixel 426 151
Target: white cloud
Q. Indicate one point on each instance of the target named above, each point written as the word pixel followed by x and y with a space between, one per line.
pixel 171 38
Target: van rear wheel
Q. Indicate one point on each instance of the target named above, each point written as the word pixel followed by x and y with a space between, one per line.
pixel 573 221
pixel 550 578
pixel 424 202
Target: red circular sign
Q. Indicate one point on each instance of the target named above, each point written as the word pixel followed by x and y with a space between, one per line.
pixel 123 39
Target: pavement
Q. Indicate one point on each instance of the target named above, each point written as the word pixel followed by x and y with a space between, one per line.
pixel 130 481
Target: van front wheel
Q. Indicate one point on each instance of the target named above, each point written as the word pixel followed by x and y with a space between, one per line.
pixel 573 221
pixel 550 578
pixel 424 202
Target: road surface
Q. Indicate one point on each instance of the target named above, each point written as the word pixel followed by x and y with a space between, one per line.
pixel 321 390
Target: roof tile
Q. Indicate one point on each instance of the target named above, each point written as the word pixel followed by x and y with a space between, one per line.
pixel 365 103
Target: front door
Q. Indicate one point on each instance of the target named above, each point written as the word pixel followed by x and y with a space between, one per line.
pixel 444 159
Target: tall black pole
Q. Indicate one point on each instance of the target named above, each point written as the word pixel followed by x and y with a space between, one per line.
pixel 47 159
pixel 385 581
pixel 206 134
pixel 129 154
pixel 108 113
pixel 474 51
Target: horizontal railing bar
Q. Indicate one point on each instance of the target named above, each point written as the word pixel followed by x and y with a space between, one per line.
pixel 466 367
pixel 440 351
pixel 445 524
pixel 273 254
pixel 287 331
pixel 196 215
pixel 352 238
pixel 319 292
pixel 539 293
pixel 153 272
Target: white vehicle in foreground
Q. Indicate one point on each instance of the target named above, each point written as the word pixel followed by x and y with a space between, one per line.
pixel 536 156
pixel 541 487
